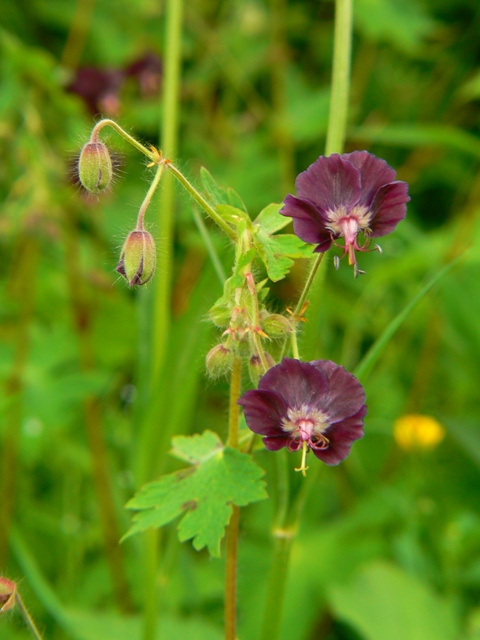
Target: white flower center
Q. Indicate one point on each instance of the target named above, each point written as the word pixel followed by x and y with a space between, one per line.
pixel 305 424
pixel 348 224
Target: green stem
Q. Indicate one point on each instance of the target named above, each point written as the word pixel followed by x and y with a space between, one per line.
pixel 202 202
pixel 231 541
pixel 170 149
pixel 212 252
pixel 284 535
pixel 23 284
pixel 27 617
pixel 300 307
pixel 163 286
pixel 342 49
pixel 148 198
pixel 106 122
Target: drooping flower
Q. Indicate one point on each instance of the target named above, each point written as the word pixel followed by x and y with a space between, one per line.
pixel 314 405
pixel 342 196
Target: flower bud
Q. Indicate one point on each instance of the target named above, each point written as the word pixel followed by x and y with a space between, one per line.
pixel 219 360
pixel 138 258
pixel 8 590
pixel 256 368
pixel 276 325
pixel 95 167
pixel 220 315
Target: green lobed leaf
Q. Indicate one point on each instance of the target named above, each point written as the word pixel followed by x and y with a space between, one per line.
pixel 270 220
pixel 231 214
pixel 277 252
pixel 204 493
pixel 219 194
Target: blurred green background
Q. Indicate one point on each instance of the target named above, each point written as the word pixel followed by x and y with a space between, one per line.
pixel 389 546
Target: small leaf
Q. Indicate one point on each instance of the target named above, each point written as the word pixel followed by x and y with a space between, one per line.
pixel 204 494
pixel 215 191
pixel 232 214
pixel 270 220
pixel 235 200
pixel 277 252
pixel 219 194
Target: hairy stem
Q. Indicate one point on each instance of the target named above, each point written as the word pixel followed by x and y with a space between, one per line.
pixel 27 617
pixel 231 542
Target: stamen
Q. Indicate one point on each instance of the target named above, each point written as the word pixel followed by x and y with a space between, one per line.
pixel 302 467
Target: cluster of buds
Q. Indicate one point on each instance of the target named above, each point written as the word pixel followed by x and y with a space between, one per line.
pixel 246 325
pixel 95 172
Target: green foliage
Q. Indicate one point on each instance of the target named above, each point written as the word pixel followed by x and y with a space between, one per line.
pixel 219 478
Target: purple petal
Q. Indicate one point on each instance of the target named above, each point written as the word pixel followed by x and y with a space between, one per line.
pixel 330 183
pixel 264 411
pixel 374 172
pixel 345 395
pixel 389 207
pixel 274 443
pixel 308 221
pixel 342 435
pixel 298 383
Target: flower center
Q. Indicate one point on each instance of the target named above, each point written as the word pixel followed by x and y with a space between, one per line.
pixel 348 224
pixel 306 424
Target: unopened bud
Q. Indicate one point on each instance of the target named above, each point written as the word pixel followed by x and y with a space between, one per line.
pixel 138 258
pixel 219 360
pixel 95 167
pixel 8 589
pixel 220 315
pixel 256 367
pixel 276 325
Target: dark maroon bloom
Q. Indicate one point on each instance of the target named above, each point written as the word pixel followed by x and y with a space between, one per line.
pixel 343 196
pixel 99 88
pixel 307 405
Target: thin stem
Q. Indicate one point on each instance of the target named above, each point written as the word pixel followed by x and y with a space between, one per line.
pixel 77 35
pixel 255 330
pixel 155 157
pixel 152 155
pixel 284 536
pixel 212 252
pixel 27 617
pixel 83 320
pixel 231 553
pixel 23 284
pixel 342 49
pixel 163 285
pixel 234 408
pixel 300 307
pixel 148 198
pixel 231 542
pixel 202 202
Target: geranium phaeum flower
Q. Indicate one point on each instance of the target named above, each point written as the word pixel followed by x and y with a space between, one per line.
pixel 307 405
pixel 343 196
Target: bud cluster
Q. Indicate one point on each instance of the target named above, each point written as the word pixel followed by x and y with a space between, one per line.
pixel 247 325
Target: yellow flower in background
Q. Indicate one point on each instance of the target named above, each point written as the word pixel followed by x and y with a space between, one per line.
pixel 417 432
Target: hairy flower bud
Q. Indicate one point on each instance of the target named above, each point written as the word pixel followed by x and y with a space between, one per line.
pixel 138 258
pixel 8 590
pixel 218 360
pixel 95 168
pixel 276 325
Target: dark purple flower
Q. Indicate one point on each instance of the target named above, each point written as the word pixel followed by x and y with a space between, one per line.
pixel 307 405
pixel 344 195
